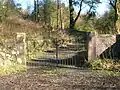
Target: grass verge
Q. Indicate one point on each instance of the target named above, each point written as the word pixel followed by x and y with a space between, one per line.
pixel 106 66
pixel 11 69
pixel 107 72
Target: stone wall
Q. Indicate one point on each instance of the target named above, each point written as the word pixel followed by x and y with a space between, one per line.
pixel 13 50
pixel 104 42
pixel 101 46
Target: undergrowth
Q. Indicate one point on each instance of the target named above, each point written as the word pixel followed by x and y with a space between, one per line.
pixel 11 69
pixel 106 66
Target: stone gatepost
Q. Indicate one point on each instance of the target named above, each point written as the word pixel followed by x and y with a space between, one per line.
pixel 91 46
pixel 21 48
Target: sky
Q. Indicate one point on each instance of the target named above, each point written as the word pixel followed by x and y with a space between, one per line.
pixel 100 10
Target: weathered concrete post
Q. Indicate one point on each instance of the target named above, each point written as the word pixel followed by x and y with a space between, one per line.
pixel 91 46
pixel 21 47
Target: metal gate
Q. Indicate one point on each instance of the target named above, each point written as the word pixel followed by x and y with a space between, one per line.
pixel 63 48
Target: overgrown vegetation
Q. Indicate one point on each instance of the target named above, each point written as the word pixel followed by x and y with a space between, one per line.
pixel 49 17
pixel 107 66
pixel 12 69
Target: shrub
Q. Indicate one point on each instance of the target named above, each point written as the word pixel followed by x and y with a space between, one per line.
pixel 105 64
pixel 97 64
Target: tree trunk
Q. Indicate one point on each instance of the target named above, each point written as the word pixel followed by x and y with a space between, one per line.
pixel 71 8
pixel 37 12
pixel 118 20
pixel 72 20
pixel 35 9
pixel 61 22
pixel 58 14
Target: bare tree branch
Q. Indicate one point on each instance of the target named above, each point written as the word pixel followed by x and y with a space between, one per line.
pixel 79 11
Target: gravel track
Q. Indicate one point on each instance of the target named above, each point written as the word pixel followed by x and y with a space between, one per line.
pixel 69 79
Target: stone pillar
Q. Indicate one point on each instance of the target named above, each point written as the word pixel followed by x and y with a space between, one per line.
pixel 91 46
pixel 21 48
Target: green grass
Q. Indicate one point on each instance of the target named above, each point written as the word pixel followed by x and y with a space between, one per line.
pixel 11 69
pixel 107 72
pixel 106 66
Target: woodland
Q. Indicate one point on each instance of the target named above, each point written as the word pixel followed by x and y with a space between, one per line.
pixel 52 30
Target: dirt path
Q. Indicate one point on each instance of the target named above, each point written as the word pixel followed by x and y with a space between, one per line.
pixel 69 79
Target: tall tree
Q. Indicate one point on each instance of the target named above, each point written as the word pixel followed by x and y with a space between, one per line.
pixel 71 13
pixel 80 3
pixel 105 24
pixel 61 21
pixel 7 8
pixel 46 11
pixel 113 4
pixel 58 13
pixel 49 15
pixel 36 11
